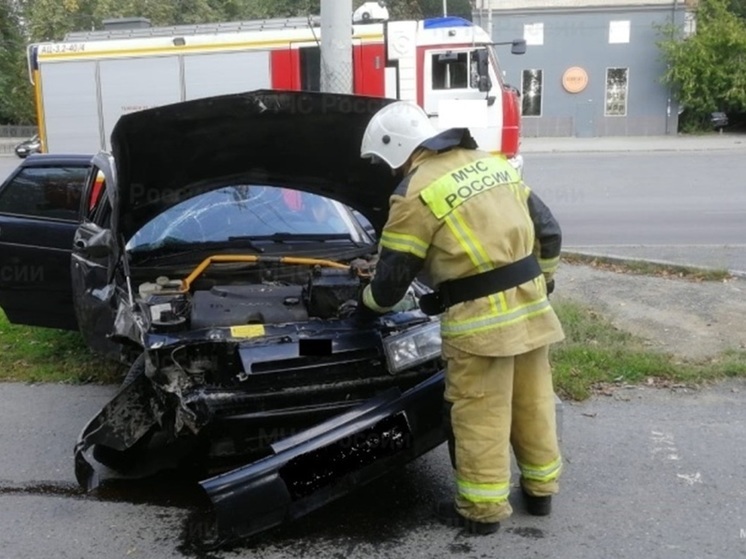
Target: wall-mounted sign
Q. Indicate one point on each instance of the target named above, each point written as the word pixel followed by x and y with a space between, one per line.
pixel 575 79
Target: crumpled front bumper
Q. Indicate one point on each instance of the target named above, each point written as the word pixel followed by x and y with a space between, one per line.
pixel 302 473
pixel 328 461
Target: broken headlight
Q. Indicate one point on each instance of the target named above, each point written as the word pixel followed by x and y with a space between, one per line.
pixel 413 347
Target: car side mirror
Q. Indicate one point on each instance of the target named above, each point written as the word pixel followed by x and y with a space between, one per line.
pixel 484 83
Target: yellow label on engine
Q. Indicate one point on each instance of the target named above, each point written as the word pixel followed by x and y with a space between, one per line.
pixel 247 331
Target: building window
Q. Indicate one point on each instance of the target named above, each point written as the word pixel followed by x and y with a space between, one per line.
pixel 690 24
pixel 619 31
pixel 616 91
pixel 531 92
pixel 533 33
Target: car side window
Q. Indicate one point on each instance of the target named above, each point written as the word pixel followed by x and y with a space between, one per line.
pixel 45 192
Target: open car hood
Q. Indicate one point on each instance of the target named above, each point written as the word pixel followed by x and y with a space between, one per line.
pixel 303 140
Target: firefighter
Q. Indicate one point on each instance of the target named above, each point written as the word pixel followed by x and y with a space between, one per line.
pixel 490 247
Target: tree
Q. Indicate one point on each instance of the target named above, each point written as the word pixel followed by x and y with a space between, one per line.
pixel 738 7
pixel 50 20
pixel 16 98
pixel 708 69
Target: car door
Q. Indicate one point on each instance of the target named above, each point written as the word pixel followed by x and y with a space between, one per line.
pixel 93 263
pixel 39 207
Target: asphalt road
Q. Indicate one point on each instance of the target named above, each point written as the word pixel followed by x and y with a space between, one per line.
pixel 649 473
pixel 686 207
pixel 683 207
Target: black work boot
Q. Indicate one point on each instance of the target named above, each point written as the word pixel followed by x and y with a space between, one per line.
pixel 537 506
pixel 447 514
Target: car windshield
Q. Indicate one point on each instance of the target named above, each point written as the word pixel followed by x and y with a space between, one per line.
pixel 248 212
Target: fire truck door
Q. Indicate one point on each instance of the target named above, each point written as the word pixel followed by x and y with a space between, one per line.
pixel 452 93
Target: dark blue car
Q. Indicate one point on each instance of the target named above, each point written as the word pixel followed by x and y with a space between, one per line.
pixel 220 249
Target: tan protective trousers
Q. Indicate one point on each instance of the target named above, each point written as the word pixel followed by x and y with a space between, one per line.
pixel 498 402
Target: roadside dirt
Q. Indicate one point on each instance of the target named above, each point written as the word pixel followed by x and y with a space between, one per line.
pixel 692 320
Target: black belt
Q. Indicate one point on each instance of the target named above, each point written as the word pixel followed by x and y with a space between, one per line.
pixel 456 291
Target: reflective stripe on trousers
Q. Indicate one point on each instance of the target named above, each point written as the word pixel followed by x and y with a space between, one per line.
pixel 483 492
pixel 543 474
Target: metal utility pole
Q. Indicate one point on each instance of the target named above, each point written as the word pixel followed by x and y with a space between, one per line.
pixel 488 9
pixel 336 46
pixel 445 8
pixel 489 19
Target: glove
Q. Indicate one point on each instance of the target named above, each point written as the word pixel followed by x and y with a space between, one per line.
pixel 358 311
pixel 364 315
pixel 550 286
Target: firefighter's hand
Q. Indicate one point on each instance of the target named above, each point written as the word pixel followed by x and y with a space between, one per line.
pixel 364 315
pixel 550 286
pixel 358 311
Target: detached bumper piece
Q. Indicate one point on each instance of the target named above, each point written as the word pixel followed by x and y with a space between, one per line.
pixel 327 461
pixel 116 443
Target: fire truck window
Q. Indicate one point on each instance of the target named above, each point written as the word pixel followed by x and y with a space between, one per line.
pixel 310 69
pixel 46 192
pixel 454 70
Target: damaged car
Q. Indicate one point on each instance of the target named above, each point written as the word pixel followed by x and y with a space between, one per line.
pixel 222 247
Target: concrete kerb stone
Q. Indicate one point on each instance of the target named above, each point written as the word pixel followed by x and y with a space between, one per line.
pixel 605 144
pixel 622 260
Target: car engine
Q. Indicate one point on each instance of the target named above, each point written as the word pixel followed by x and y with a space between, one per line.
pixel 324 293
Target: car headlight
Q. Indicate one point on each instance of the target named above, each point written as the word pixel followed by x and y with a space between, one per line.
pixel 413 347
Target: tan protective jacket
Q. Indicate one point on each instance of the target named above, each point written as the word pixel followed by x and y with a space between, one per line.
pixel 459 213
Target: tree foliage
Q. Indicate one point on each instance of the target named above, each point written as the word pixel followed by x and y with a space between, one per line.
pixel 708 69
pixel 16 101
pixel 738 7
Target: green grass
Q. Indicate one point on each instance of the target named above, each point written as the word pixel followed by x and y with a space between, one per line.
pixel 596 354
pixel 44 355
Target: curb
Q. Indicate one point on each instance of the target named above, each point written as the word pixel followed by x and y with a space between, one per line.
pixel 625 144
pixel 616 259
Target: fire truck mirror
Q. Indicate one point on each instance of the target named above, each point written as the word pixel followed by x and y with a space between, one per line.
pixel 518 46
pixel 483 70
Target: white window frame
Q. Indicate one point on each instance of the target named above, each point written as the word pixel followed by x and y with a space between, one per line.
pixel 533 33
pixel 619 31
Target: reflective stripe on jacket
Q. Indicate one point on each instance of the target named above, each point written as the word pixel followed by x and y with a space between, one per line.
pixel 459 213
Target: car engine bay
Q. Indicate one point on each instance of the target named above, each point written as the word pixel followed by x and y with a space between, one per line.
pixel 235 294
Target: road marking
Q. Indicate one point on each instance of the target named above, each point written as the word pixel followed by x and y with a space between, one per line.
pixel 691 479
pixel 664 443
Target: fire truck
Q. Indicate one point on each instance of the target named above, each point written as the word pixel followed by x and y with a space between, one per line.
pixel 447 65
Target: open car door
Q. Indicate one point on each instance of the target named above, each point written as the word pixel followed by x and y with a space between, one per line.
pixel 94 260
pixel 39 213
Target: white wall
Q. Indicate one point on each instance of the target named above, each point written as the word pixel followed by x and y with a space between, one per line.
pixel 523 4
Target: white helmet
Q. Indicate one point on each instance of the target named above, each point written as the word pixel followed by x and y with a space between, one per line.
pixel 395 132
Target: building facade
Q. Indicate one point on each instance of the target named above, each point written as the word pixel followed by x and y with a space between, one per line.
pixel 592 67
